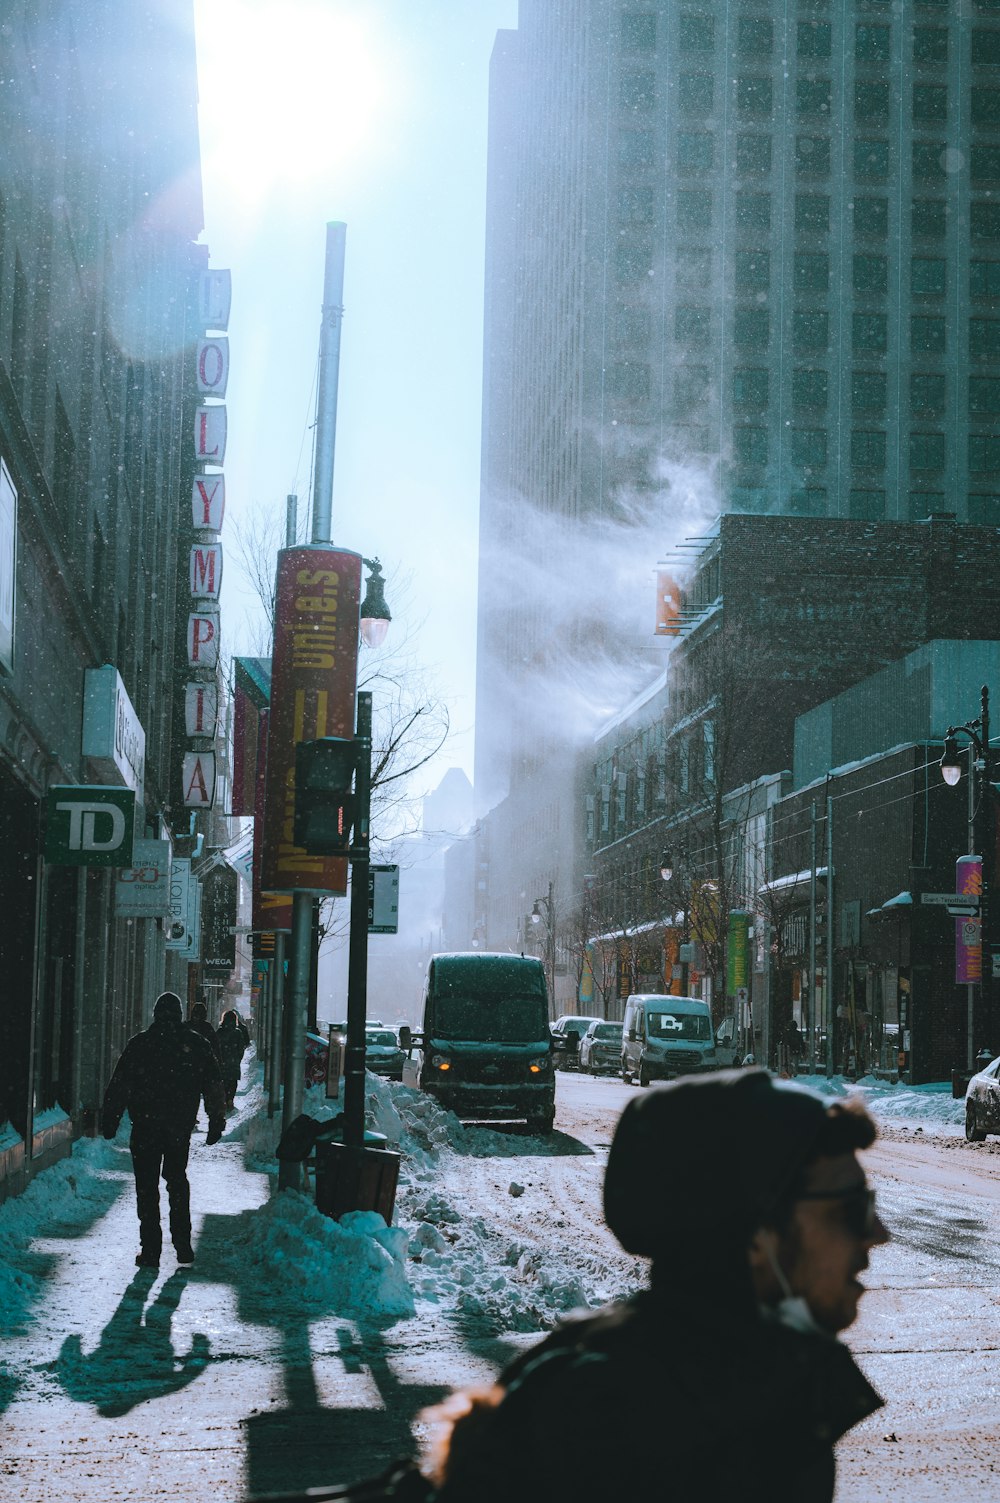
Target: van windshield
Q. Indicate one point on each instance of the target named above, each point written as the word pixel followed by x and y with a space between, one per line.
pixel 677 1025
pixel 508 1020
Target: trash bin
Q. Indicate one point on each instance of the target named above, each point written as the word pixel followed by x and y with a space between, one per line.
pixel 356 1179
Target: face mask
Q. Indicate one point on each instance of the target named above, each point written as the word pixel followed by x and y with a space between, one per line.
pixel 791 1310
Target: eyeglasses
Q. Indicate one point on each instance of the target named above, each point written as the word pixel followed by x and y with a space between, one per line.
pixel 859 1210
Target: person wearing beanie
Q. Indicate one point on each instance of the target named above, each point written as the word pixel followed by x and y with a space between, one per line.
pixel 724 1380
pixel 160 1080
pixel 199 1022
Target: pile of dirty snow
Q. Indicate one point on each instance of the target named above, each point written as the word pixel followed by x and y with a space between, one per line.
pixel 897 1104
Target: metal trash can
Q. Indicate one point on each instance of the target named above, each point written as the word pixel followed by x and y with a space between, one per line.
pixel 356 1179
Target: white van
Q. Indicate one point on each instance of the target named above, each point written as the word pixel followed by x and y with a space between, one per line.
pixel 664 1036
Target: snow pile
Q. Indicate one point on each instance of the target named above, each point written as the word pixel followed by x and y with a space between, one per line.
pixel 352 1267
pixel 895 1103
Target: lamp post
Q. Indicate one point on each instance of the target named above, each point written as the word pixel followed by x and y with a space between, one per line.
pixel 550 938
pixel 982 833
pixel 667 869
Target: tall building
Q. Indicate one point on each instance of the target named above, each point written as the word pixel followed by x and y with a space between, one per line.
pixel 742 241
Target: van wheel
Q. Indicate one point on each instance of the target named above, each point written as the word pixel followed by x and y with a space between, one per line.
pixel 540 1127
pixel 643 1073
pixel 626 1073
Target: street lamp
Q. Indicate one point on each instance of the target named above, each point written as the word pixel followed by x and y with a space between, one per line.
pixel 667 867
pixel 981 812
pixel 550 938
pixel 375 614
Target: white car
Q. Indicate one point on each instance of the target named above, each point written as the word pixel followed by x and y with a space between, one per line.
pixel 982 1103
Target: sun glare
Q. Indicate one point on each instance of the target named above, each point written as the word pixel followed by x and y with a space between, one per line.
pixel 293 93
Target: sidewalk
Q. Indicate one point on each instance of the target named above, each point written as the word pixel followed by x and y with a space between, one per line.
pixel 211 1382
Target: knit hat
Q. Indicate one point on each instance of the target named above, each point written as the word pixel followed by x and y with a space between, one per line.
pixel 168 1008
pixel 706 1156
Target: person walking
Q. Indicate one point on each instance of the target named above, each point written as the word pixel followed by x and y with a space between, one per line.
pixel 199 1022
pixel 162 1076
pixel 724 1380
pixel 233 1041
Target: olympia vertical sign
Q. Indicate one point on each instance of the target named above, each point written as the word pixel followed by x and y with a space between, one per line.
pixel 314 679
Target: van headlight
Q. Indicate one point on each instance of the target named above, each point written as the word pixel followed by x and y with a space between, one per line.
pixel 536 1066
pixel 440 1062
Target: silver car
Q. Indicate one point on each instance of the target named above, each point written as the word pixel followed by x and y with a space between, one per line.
pixel 982 1103
pixel 601 1047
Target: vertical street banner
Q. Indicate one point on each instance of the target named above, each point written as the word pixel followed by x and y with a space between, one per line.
pixel 968 947
pixel 314 674
pixel 218 919
pixel 737 952
pixel 272 911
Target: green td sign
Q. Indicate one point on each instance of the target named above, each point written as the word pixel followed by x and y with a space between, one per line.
pixel 89 826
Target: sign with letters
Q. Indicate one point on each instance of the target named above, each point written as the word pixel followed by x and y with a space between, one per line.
pixel 89 826
pixel 142 890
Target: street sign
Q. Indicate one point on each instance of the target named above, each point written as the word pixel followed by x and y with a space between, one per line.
pixel 383 899
pixel 960 904
pixel 89 825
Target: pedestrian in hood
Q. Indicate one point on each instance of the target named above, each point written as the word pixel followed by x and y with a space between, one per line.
pixel 233 1041
pixel 161 1078
pixel 199 1022
pixel 723 1381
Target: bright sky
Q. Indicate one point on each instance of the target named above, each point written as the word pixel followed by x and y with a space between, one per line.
pixel 373 112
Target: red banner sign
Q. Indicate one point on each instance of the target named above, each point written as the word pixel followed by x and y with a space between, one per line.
pixel 314 673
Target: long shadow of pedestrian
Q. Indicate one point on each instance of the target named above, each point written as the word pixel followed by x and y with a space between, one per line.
pixel 134 1361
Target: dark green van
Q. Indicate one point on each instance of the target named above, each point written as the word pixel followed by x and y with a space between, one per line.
pixel 487 1050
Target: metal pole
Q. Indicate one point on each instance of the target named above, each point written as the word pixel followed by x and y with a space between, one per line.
pixel 329 377
pixel 831 1015
pixel 357 961
pixel 277 1010
pixel 296 1003
pixel 970 988
pixel 988 848
pixel 811 995
pixel 550 943
pixel 291 520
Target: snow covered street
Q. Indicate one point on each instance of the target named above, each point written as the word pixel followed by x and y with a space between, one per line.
pixel 297 1351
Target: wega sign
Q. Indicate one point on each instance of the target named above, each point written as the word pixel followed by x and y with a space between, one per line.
pixel 314 671
pixel 208 505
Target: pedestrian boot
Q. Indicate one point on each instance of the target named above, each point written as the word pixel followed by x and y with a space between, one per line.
pixel 147 1260
pixel 185 1252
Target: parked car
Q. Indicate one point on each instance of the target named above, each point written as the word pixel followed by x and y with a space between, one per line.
pixel 601 1047
pixel 982 1103
pixel 383 1055
pixel 567 1031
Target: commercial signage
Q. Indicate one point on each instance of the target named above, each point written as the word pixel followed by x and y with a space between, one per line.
pixel 383 899
pixel 114 741
pixel 668 606
pixel 205 571
pixel 313 689
pixel 213 366
pixel 737 952
pixel 272 911
pixel 198 779
pixel 968 937
pixel 208 502
pixel 89 826
pixel 178 935
pixel 219 899
pixel 201 709
pixel 8 566
pixel 142 890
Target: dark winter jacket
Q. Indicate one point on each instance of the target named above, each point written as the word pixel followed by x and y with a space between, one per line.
pixel 204 1027
pixel 162 1076
pixel 232 1046
pixel 661 1398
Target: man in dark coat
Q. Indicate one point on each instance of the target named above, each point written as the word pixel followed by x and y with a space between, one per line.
pixel 199 1022
pixel 233 1041
pixel 161 1078
pixel 724 1381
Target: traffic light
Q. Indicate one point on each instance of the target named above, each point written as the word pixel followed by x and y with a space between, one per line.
pixel 324 803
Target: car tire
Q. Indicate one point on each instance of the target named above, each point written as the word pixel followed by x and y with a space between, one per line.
pixel 643 1073
pixel 540 1127
pixel 973 1132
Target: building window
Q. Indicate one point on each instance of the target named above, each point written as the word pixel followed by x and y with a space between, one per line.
pixel 756 37
pixel 984 453
pixel 930 102
pixel 812 96
pixel 638 32
pixel 695 93
pixel 927 451
pixel 985 510
pixel 753 96
pixel 928 160
pixel 984 396
pixel 809 447
pixel 866 506
pixel 871 217
pixel 810 388
pixel 750 387
pixel 927 275
pixel 868 449
pixel 869 331
pixel 694 209
pixel 928 218
pixel 813 39
pixel 751 445
pixel 871 100
pixel 694 266
pixel 927 391
pixel 631 324
pixel 930 44
pixel 633 259
pixel 871 274
pixel 871 158
pixel 984 338
pixel 635 148
pixel 927 335
pixel 985 163
pixel 985 47
pixel 690 386
pixel 692 327
pixel 924 504
pixel 695 151
pixel 753 271
pixel 868 390
pixel 753 211
pixel 812 213
pixel 630 381
pixel 752 328
pixel 635 204
pixel 811 271
pixel 697 33
pixel 808 501
pixel 984 220
pixel 871 43
pixel 986 107
pixel 812 155
pixel 637 90
pixel 984 279
pixel 810 331
pixel 753 153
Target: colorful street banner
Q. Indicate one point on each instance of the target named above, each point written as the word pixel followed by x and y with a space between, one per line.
pixel 968 936
pixel 738 952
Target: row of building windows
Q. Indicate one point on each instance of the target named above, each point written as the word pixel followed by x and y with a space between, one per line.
pixel 866 504
pixel 930 160
pixel 755 96
pixel 810 329
pixel 813 39
pixel 809 449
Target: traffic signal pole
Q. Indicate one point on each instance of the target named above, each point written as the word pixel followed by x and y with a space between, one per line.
pixel 357 963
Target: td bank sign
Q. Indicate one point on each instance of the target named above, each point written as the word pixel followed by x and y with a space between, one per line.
pixel 89 826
